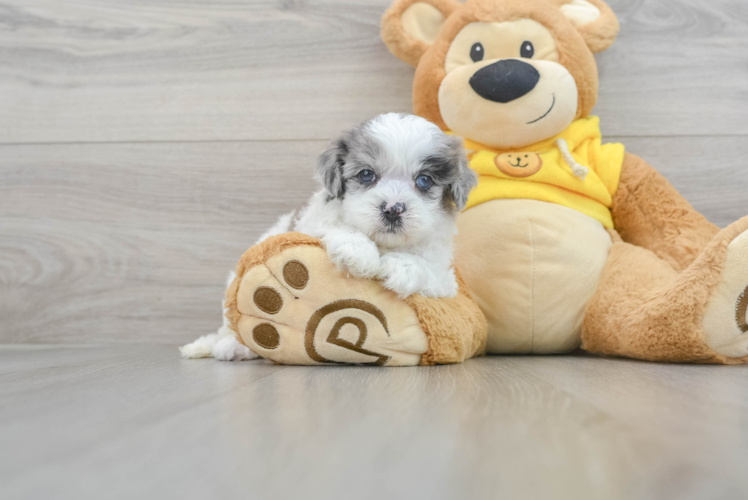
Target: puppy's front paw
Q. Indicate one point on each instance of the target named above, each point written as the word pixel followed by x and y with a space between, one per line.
pixel 404 274
pixel 230 349
pixel 445 286
pixel 352 253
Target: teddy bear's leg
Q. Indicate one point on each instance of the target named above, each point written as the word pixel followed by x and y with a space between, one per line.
pixel 289 304
pixel 649 212
pixel 645 309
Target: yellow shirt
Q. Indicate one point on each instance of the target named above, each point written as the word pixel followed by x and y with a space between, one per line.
pixel 540 172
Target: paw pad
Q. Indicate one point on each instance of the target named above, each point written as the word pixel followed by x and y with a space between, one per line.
pixel 266 335
pixel 268 300
pixel 741 310
pixel 296 274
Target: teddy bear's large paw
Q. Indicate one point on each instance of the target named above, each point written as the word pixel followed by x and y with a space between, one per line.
pixel 296 307
pixel 726 315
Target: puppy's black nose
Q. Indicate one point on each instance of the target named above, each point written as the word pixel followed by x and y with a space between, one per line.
pixel 505 81
pixel 393 212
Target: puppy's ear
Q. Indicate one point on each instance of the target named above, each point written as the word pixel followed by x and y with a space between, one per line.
pixel 595 21
pixel 466 178
pixel 330 167
pixel 409 27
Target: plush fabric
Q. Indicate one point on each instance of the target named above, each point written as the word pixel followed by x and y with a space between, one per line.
pixel 539 265
pixel 455 328
pixel 602 32
pixel 551 178
pixel 721 314
pixel 410 47
pixel 649 212
pixel 288 303
pixel 645 309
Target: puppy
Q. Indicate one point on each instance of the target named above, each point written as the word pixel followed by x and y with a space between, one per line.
pixel 392 188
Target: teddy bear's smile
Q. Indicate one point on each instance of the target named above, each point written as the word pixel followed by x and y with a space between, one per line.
pixel 547 112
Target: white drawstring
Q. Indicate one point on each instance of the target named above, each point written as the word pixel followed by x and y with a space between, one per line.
pixel 578 170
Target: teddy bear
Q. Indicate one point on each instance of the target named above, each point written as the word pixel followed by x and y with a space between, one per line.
pixel 566 242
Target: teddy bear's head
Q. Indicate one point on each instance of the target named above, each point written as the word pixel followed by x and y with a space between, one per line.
pixel 505 73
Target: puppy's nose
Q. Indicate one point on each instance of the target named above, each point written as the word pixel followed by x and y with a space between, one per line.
pixel 393 212
pixel 505 81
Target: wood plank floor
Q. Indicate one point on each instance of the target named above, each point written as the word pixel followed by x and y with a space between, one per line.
pixel 137 422
pixel 144 144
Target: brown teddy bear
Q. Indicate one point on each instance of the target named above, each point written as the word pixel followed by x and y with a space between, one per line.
pixel 566 241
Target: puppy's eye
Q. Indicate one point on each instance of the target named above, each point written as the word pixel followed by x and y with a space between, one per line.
pixel 424 181
pixel 527 50
pixel 367 176
pixel 477 52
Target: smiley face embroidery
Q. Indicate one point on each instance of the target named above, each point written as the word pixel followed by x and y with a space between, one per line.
pixel 519 164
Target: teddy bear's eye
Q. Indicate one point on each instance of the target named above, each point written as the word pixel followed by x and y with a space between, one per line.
pixel 477 52
pixel 527 50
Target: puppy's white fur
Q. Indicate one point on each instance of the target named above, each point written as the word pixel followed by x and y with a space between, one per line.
pixel 222 344
pixel 411 255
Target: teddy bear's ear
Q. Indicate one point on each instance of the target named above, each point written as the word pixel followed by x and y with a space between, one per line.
pixel 409 27
pixel 596 22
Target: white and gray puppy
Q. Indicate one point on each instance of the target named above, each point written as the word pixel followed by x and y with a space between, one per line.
pixel 392 188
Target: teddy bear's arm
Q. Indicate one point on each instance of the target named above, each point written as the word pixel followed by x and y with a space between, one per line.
pixel 649 212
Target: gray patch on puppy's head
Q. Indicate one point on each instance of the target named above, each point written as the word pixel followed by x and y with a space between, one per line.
pixel 355 150
pixel 448 166
pixel 330 167
pixel 465 178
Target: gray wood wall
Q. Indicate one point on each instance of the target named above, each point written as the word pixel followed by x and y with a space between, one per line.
pixel 144 144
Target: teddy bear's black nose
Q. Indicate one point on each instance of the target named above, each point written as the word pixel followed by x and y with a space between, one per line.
pixel 505 81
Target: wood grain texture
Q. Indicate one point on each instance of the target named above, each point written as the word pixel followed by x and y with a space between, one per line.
pixel 181 70
pixel 178 70
pixel 137 422
pixel 132 242
pixel 144 145
pixel 119 243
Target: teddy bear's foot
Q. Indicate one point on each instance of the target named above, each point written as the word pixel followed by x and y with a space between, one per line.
pixel 726 314
pixel 291 305
pixel 298 308
pixel 643 308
